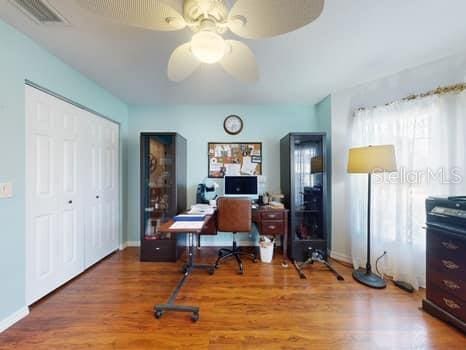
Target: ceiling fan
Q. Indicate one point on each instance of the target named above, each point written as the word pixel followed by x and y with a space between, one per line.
pixel 209 19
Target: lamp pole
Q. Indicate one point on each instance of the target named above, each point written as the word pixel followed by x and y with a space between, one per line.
pixel 369 190
pixel 366 276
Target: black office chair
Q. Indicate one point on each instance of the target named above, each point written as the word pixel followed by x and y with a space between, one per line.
pixel 234 215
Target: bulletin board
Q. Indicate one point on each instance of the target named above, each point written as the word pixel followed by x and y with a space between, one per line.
pixel 234 159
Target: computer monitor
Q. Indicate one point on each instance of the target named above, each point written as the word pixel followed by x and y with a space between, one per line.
pixel 241 186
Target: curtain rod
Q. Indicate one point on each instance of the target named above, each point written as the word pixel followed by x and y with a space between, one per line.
pixel 441 90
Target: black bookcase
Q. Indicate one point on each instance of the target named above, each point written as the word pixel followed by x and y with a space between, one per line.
pixel 303 175
pixel 163 192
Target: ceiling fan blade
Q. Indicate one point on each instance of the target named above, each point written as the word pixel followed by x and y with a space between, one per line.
pixel 182 63
pixel 148 14
pixel 267 18
pixel 240 62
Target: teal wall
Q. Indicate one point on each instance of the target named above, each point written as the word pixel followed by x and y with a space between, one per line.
pixel 324 119
pixel 201 124
pixel 20 59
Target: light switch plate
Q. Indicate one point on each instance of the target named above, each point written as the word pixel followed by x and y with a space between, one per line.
pixel 6 190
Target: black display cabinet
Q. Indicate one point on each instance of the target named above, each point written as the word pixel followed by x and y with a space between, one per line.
pixel 163 192
pixel 304 184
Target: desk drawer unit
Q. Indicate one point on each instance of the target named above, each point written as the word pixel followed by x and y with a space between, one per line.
pixel 159 250
pixel 272 215
pixel 269 227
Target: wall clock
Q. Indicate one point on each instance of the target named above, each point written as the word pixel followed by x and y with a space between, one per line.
pixel 233 124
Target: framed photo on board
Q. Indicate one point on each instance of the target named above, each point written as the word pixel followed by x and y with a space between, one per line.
pixel 234 159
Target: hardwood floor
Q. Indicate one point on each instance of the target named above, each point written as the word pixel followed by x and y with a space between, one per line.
pixel 110 307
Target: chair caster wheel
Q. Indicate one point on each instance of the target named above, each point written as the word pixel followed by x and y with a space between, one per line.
pixel 195 317
pixel 340 278
pixel 240 272
pixel 211 271
pixel 158 314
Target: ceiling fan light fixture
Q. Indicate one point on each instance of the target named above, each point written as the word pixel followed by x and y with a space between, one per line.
pixel 208 47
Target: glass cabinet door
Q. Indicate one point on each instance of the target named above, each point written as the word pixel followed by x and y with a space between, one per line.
pixel 308 188
pixel 158 188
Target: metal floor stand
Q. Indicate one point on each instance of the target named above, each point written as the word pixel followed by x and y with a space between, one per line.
pixel 187 269
pixel 315 256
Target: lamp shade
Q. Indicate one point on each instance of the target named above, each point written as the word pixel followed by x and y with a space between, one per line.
pixel 317 165
pixel 372 159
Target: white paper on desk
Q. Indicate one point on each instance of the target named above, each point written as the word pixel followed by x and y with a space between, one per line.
pixel 187 225
pixel 233 169
pixel 205 209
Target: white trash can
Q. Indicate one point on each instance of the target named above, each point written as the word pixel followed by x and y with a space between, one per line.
pixel 266 246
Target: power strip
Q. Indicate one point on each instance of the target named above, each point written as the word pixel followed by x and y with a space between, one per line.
pixel 405 286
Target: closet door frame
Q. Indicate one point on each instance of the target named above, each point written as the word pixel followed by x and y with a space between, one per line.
pixel 116 168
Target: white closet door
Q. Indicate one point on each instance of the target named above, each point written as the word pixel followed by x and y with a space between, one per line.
pixel 42 203
pixel 94 250
pixel 110 186
pixel 102 212
pixel 70 195
pixel 54 234
pixel 72 191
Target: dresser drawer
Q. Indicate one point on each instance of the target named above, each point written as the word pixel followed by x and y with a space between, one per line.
pixel 443 244
pixel 269 227
pixel 446 264
pixel 272 215
pixel 452 283
pixel 159 250
pixel 447 302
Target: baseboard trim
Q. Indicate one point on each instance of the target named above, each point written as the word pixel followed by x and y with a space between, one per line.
pixel 341 257
pixel 130 244
pixel 13 318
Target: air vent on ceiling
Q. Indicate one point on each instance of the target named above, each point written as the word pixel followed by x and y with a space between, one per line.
pixel 40 11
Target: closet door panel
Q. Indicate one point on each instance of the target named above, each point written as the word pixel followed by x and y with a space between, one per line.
pixel 42 208
pixel 110 185
pixel 94 233
pixel 71 229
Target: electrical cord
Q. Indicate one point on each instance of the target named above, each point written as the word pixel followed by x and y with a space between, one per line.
pixel 377 264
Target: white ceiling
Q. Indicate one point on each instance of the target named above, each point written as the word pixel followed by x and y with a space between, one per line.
pixel 354 41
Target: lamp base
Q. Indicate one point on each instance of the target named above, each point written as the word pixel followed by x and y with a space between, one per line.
pixel 369 279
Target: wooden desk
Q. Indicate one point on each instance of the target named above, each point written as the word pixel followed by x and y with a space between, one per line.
pixel 160 309
pixel 273 222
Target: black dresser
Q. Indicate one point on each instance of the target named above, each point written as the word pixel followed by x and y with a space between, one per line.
pixel 446 260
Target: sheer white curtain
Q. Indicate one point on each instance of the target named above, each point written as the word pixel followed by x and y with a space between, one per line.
pixel 429 138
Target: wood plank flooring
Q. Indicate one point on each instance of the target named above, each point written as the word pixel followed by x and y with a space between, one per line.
pixel 110 307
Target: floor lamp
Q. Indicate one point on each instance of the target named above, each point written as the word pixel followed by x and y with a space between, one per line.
pixel 369 160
